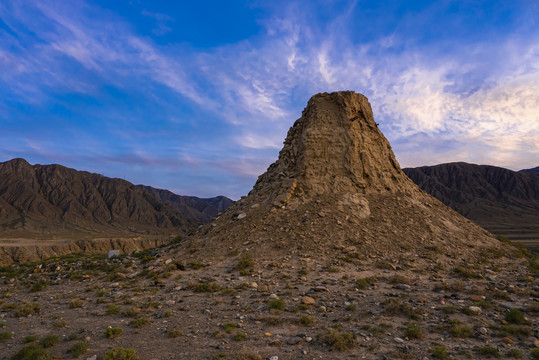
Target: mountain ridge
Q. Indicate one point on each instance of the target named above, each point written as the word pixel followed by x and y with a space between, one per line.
pixel 534 170
pixel 503 201
pixel 57 200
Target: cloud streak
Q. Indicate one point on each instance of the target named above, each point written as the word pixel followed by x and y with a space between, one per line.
pixel 475 100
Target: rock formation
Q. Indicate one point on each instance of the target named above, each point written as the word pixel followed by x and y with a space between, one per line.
pixel 337 187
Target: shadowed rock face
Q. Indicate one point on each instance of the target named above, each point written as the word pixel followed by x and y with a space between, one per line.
pixel 337 185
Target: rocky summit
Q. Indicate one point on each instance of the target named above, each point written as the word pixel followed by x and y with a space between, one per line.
pixel 334 254
pixel 337 185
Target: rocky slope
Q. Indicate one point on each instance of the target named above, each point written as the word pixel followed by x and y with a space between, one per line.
pixel 337 184
pixel 502 201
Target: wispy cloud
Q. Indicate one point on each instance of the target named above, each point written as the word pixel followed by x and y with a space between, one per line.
pixel 105 47
pixel 449 100
pixel 495 118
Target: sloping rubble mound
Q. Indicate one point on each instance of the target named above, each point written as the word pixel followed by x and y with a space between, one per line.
pixel 335 188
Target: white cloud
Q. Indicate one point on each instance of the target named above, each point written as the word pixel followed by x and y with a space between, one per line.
pixel 260 141
pixel 259 86
pixel 495 121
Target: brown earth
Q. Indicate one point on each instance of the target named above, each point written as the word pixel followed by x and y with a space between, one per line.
pixel 365 307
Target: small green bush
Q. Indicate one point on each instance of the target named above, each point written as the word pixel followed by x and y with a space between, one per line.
pixel 467 311
pixel 240 336
pixel 78 349
pixel 307 320
pixel 501 295
pixel 461 331
pixel 49 341
pixel 394 306
pixel 112 333
pixel 75 304
pixel 439 352
pixel 140 322
pixel 382 264
pixel 195 265
pixel 515 316
pixel 174 333
pixel 27 309
pixel 176 240
pixel 60 324
pixel 9 271
pixel 450 309
pixel 31 352
pixel 535 353
pixel 399 279
pixel 121 354
pixel 29 339
pixel 510 330
pixel 208 287
pixel 484 304
pixel 229 326
pixel 74 336
pixel 5 336
pixel 514 353
pixel 413 331
pixel 113 309
pixel 246 264
pixel 40 285
pixel 340 341
pixel 278 304
pixel 466 272
pixel 229 292
pixel 271 320
pixel 488 351
pixel 362 284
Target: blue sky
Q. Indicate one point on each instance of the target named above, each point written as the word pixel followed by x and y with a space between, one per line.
pixel 197 97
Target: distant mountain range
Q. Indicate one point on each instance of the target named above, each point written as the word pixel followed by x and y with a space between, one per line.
pixel 53 200
pixel 44 201
pixel 535 170
pixel 503 201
